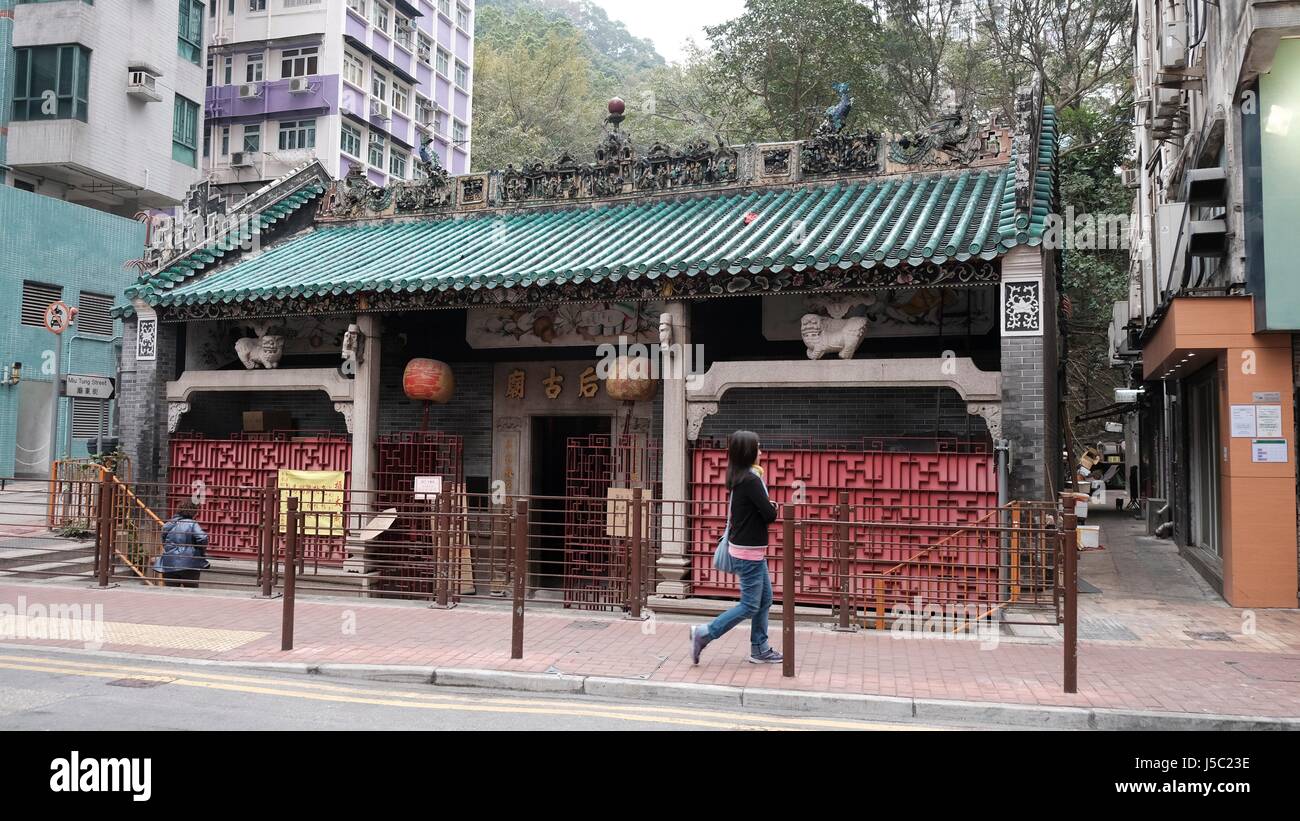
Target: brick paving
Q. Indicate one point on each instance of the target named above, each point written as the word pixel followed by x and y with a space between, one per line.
pixel 1164 666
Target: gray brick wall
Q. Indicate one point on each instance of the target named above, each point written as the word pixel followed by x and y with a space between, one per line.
pixel 844 413
pixel 468 414
pixel 1025 414
pixel 142 402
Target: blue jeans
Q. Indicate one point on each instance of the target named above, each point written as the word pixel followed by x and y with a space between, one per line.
pixel 755 601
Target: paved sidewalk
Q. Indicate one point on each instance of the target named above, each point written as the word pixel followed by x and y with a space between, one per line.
pixel 1180 652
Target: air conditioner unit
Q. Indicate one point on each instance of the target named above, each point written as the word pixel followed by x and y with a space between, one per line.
pixel 1173 45
pixel 378 108
pixel 240 159
pixel 248 91
pixel 1130 178
pixel 298 85
pixel 142 85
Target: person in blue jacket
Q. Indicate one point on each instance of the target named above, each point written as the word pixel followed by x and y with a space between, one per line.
pixel 184 544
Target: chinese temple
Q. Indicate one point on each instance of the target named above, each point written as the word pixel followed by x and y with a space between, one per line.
pixel 880 308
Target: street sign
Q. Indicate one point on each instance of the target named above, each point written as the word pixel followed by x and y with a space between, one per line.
pixel 86 386
pixel 58 316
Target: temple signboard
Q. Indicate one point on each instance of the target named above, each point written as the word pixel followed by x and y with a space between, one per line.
pixel 562 325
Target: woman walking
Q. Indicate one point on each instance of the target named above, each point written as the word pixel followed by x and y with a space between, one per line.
pixel 749 514
pixel 183 549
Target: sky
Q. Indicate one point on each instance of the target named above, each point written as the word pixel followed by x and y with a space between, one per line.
pixel 669 23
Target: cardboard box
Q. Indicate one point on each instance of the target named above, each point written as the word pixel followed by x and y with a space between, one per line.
pixel 267 421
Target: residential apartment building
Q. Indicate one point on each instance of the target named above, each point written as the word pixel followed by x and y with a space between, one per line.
pixel 1214 300
pixel 344 81
pixel 101 100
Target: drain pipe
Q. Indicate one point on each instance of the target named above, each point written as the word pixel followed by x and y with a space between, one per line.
pixel 6 83
pixel 1002 455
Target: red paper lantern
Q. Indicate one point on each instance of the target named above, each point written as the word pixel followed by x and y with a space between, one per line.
pixel 428 380
pixel 630 380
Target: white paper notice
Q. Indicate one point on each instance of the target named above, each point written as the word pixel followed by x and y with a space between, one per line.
pixel 1243 421
pixel 428 487
pixel 1268 450
pixel 1268 421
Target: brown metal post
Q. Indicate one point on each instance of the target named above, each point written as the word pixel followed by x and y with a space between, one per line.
pixel 104 528
pixel 442 548
pixel 270 525
pixel 787 591
pixel 842 553
pixel 880 603
pixel 634 588
pixel 1071 583
pixel 290 571
pixel 521 577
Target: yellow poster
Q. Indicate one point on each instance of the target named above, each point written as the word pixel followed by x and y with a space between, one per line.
pixel 320 498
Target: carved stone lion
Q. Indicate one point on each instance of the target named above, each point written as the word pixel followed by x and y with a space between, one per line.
pixel 263 350
pixel 823 335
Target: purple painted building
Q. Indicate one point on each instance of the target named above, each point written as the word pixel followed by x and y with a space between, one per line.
pixel 345 81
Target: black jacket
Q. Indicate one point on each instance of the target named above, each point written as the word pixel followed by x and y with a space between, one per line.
pixel 751 513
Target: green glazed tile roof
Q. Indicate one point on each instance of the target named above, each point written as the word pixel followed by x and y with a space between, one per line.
pixel 888 221
pixel 196 262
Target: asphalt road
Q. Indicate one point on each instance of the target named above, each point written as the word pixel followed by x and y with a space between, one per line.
pixel 52 691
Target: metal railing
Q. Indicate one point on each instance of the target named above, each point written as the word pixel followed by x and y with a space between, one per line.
pixel 855 566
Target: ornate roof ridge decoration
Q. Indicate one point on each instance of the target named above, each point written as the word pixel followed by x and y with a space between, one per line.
pixel 243 224
pixel 1024 145
pixel 617 171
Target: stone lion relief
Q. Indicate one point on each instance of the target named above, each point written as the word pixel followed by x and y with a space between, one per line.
pixel 823 335
pixel 264 350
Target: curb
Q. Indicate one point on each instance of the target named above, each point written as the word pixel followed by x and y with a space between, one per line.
pixel 832 705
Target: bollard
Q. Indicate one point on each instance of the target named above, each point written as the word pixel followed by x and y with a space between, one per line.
pixel 290 572
pixel 270 516
pixel 634 588
pixel 442 549
pixel 1071 584
pixel 104 536
pixel 880 603
pixel 521 578
pixel 787 591
pixel 842 556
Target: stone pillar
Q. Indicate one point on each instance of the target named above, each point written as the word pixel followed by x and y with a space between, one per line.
pixel 1026 397
pixel 148 363
pixel 673 563
pixel 364 409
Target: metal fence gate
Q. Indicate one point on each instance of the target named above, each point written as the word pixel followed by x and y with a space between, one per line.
pixel 600 472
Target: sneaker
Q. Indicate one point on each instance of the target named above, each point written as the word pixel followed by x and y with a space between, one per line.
pixel 699 639
pixel 768 656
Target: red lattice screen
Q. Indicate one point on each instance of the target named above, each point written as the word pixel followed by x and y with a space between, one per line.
pixel 954 484
pixel 234 471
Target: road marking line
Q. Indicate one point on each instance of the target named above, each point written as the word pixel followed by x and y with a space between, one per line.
pixel 695 716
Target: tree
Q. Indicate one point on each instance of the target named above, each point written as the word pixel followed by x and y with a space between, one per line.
pixel 787 54
pixel 532 96
pixel 684 100
pixel 922 46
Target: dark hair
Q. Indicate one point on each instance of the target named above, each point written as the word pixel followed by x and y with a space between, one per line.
pixel 187 511
pixel 742 452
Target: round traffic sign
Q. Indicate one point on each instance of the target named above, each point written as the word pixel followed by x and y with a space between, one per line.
pixel 58 316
